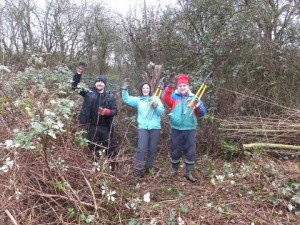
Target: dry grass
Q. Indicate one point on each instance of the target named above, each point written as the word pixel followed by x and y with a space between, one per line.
pixel 35 192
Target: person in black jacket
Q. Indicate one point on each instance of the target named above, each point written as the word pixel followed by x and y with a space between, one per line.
pixel 97 113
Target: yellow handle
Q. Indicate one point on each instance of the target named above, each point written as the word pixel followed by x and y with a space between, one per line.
pixel 201 94
pixel 199 97
pixel 202 85
pixel 198 94
pixel 156 96
pixel 159 93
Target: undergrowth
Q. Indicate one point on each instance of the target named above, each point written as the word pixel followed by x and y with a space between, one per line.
pixel 48 176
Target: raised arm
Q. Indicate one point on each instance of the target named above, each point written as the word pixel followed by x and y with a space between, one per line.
pixel 76 81
pixel 167 96
pixel 129 100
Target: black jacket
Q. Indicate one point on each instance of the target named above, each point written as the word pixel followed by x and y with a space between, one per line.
pixel 92 101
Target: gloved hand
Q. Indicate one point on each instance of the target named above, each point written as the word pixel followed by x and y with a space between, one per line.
pixel 104 111
pixel 153 104
pixel 125 84
pixel 196 104
pixel 172 80
pixel 80 68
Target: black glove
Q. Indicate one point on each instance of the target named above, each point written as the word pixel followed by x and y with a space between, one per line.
pixel 172 81
pixel 80 68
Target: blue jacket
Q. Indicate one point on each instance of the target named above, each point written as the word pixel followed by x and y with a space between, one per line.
pixel 142 105
pixel 180 110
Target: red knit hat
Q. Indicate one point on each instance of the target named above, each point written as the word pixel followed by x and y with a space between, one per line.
pixel 183 79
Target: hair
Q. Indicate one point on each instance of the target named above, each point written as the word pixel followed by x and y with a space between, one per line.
pixel 141 87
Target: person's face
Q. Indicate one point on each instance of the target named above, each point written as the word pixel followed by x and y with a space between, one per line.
pixel 182 89
pixel 99 85
pixel 146 90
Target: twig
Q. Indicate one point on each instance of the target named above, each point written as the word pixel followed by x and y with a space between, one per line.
pixel 92 192
pixel 11 217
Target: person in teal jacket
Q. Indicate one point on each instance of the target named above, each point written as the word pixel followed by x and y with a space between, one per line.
pixel 183 126
pixel 149 125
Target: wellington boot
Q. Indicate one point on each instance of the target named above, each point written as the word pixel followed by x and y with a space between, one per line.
pixel 174 170
pixel 189 176
pixel 189 173
pixel 138 173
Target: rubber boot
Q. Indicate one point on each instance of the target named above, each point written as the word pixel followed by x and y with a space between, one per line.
pixel 138 173
pixel 174 170
pixel 189 173
pixel 139 167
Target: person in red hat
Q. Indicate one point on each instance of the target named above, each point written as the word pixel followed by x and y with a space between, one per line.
pixel 183 126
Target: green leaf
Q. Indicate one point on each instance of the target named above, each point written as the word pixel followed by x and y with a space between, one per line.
pixel 89 218
pixel 183 208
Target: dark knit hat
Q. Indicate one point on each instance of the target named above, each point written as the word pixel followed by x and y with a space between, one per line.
pixel 101 78
pixel 141 87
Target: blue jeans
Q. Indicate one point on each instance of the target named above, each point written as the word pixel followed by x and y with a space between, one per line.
pixel 147 148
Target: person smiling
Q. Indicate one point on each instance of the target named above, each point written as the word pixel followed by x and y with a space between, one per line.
pixel 96 115
pixel 183 126
pixel 149 125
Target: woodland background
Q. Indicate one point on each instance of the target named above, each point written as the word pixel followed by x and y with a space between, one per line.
pixel 47 175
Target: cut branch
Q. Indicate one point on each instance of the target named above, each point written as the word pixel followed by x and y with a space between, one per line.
pixel 270 145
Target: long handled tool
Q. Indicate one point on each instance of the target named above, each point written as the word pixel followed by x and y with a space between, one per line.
pixel 197 96
pixel 156 96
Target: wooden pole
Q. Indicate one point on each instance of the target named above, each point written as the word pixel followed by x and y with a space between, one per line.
pixel 271 145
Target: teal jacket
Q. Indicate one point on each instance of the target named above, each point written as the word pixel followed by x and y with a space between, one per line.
pixel 142 105
pixel 180 110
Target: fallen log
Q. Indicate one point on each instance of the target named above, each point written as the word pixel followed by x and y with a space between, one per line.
pixel 271 145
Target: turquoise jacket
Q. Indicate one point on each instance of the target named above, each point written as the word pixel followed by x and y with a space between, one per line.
pixel 180 110
pixel 142 104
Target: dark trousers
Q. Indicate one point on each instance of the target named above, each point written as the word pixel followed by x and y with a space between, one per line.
pixel 183 142
pixel 102 141
pixel 147 147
